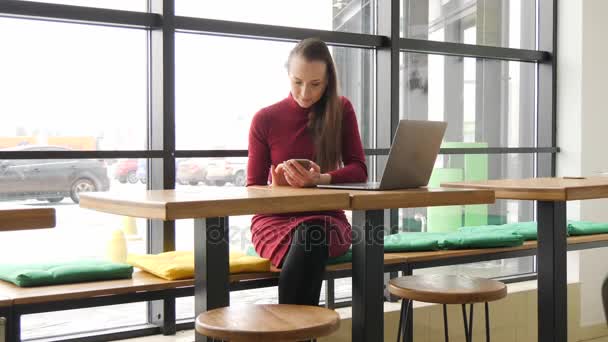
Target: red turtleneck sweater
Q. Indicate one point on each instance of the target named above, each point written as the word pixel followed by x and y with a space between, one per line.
pixel 278 133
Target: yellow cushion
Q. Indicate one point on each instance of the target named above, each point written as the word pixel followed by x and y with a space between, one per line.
pixel 180 264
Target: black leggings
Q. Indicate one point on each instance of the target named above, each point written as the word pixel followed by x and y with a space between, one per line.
pixel 303 266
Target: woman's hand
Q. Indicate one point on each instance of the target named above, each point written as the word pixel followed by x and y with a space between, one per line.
pixel 297 176
pixel 278 175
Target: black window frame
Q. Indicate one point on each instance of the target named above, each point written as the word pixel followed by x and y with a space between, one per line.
pixel 161 23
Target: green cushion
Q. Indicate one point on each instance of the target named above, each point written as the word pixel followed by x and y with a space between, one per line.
pixel 462 240
pixel 346 257
pixel 586 228
pixel 413 241
pixel 26 275
pixel 526 229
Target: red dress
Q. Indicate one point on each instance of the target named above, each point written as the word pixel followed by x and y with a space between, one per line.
pixel 278 133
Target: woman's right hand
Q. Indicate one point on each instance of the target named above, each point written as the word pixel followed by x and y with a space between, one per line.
pixel 278 175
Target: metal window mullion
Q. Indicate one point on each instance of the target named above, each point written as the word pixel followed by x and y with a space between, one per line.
pixel 471 50
pixel 387 93
pixel 274 32
pixel 161 134
pixel 547 73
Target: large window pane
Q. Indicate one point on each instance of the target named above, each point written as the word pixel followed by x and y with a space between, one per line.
pixel 487 103
pixel 474 167
pixel 76 86
pixel 222 82
pixel 79 233
pixel 130 5
pixel 332 15
pixel 493 22
pixel 57 324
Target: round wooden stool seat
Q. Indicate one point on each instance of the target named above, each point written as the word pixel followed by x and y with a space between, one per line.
pixel 267 322
pixel 447 289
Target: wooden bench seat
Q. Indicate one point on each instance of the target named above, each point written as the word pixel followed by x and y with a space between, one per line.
pixel 89 294
pixel 412 257
pixel 141 281
pixel 401 258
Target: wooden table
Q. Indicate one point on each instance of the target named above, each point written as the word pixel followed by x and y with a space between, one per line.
pixel 21 218
pixel 368 246
pixel 551 195
pixel 210 208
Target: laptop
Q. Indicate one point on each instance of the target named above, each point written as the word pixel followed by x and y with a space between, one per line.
pixel 410 160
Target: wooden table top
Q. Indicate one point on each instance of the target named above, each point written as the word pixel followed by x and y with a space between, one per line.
pixel 21 218
pixel 417 198
pixel 542 189
pixel 213 202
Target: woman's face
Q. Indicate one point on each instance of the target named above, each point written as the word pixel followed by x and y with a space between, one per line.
pixel 308 80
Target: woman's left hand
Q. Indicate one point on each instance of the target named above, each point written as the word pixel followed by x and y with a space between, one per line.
pixel 297 176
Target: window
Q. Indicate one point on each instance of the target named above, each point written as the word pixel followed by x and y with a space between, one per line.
pixel 131 5
pixel 337 15
pixel 490 103
pixel 77 86
pixel 124 102
pixel 242 76
pixel 494 23
pixel 78 234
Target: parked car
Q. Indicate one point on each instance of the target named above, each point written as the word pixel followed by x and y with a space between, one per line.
pixel 191 171
pixel 125 170
pixel 50 179
pixel 227 170
pixel 142 170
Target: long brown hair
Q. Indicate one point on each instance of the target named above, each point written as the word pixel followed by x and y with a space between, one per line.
pixel 325 116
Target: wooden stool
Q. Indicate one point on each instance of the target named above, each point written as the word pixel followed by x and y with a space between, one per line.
pixel 446 289
pixel 267 322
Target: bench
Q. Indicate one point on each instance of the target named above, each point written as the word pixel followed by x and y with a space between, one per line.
pixel 5 306
pixel 16 301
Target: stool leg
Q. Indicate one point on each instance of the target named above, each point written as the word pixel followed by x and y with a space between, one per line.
pixel 464 319
pixel 471 323
pixel 487 322
pixel 405 308
pixel 401 320
pixel 445 323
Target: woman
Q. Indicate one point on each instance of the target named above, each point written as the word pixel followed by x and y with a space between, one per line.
pixel 313 123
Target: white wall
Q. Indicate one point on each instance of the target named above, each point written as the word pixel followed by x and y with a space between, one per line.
pixel 583 127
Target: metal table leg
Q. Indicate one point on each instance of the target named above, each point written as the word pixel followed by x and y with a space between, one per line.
pixel 368 261
pixel 552 271
pixel 211 266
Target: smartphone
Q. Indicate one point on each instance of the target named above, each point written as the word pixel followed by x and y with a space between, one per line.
pixel 304 162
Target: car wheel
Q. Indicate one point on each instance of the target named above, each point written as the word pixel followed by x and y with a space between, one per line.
pixel 193 182
pixel 81 185
pixel 122 179
pixel 55 199
pixel 220 182
pixel 143 180
pixel 132 177
pixel 240 179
